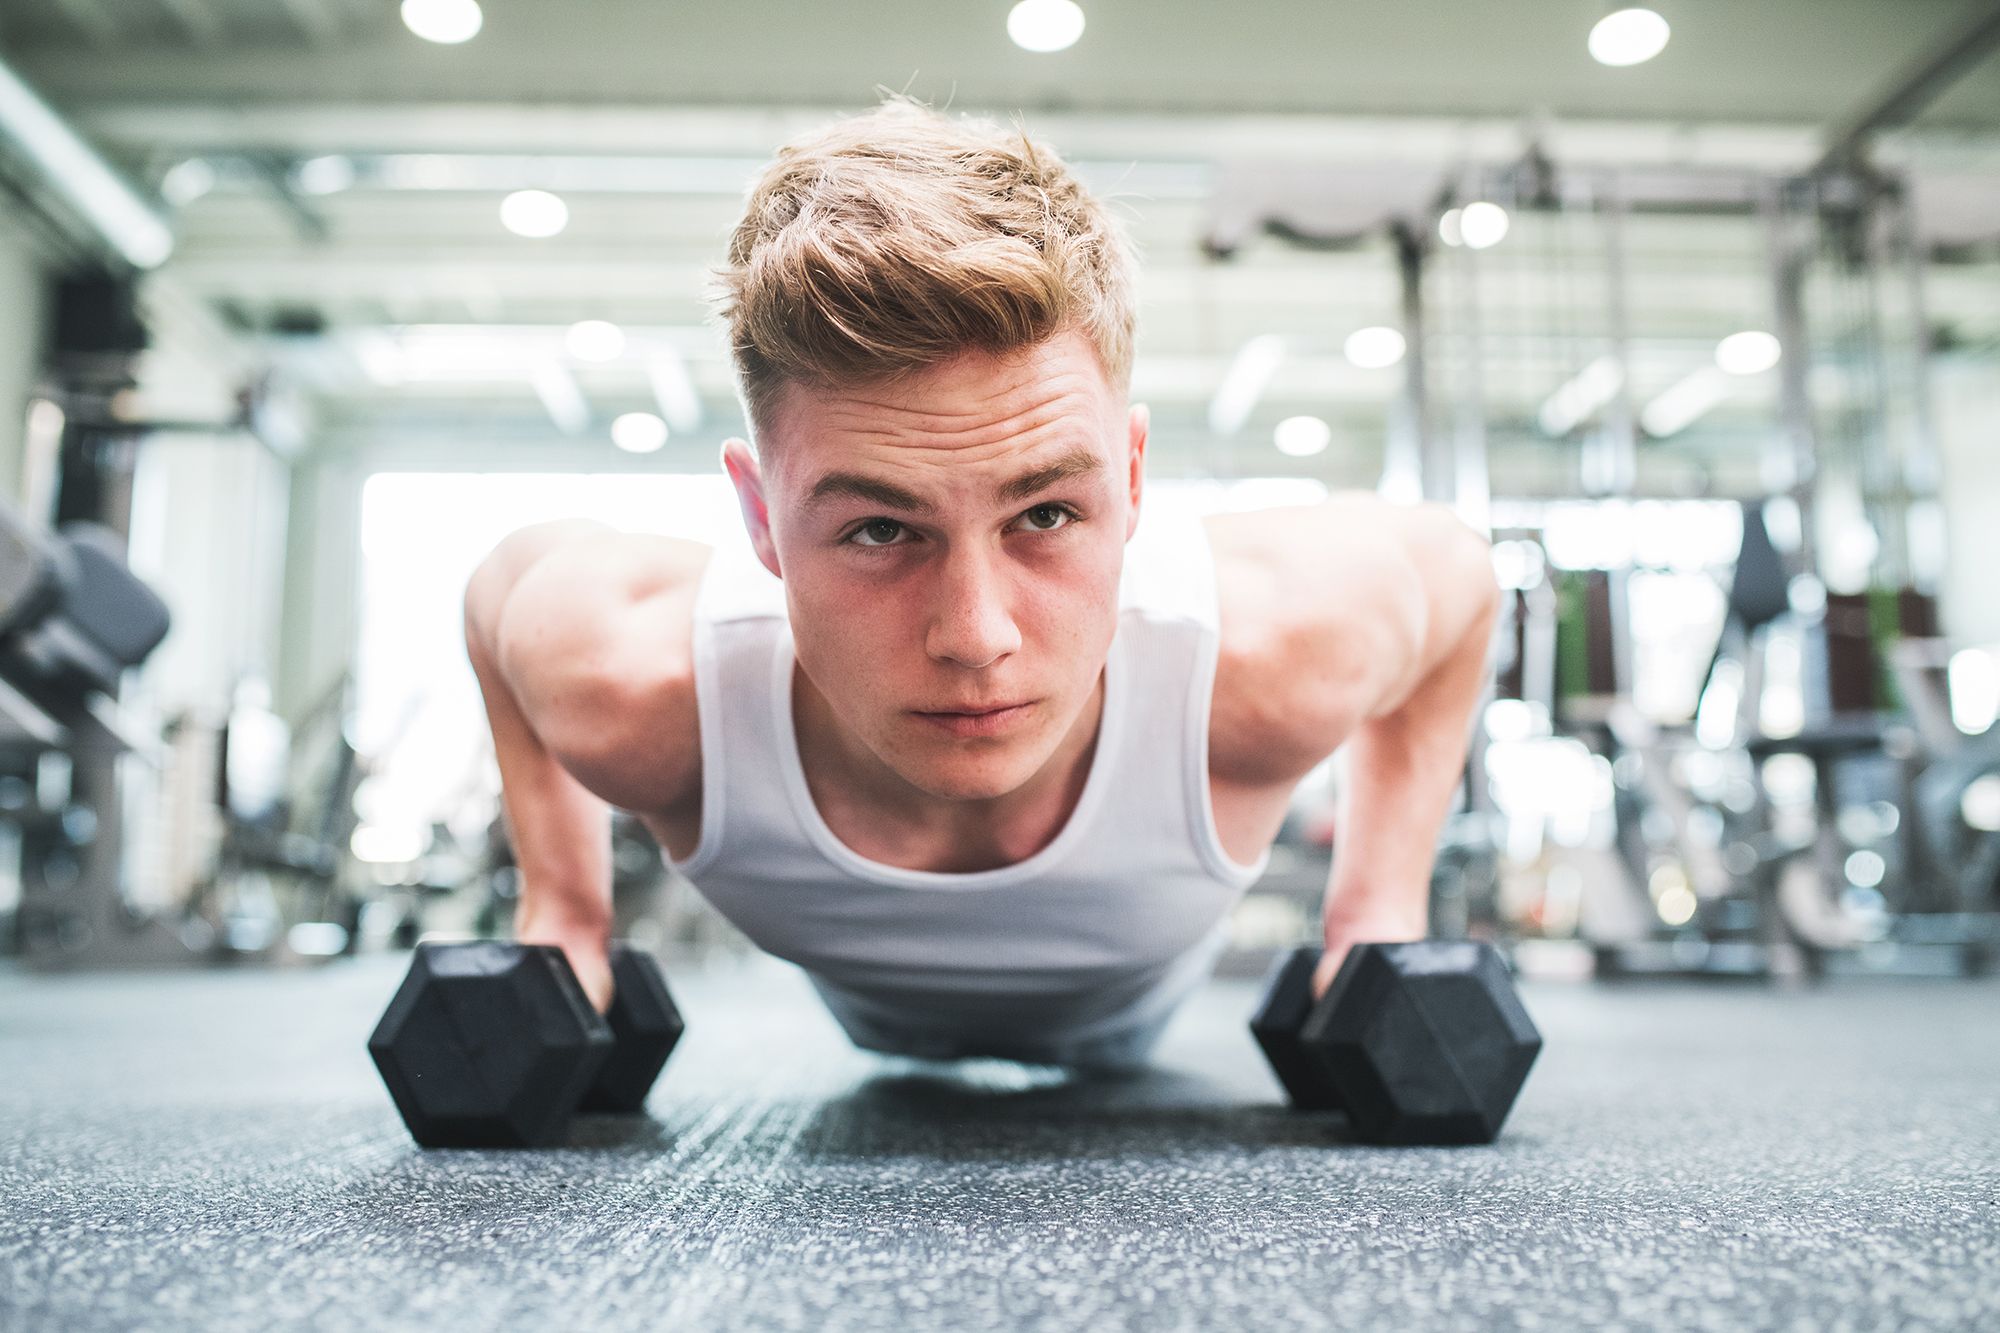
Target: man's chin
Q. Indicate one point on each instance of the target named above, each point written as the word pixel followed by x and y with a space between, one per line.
pixel 965 777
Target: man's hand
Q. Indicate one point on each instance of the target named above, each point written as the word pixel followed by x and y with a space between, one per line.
pixel 1380 921
pixel 587 946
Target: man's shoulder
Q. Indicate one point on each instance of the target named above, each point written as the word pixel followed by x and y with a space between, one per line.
pixel 604 633
pixel 1300 592
pixel 616 603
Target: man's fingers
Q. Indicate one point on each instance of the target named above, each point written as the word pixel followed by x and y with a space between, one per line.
pixel 593 973
pixel 1329 963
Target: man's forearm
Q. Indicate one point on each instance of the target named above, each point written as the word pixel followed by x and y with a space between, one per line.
pixel 561 832
pixel 1402 772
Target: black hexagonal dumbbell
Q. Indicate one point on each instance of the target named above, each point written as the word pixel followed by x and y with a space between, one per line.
pixel 646 1026
pixel 1418 1043
pixel 492 1044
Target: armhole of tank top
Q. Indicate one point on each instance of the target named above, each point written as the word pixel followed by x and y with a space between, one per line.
pixel 1201 811
pixel 708 710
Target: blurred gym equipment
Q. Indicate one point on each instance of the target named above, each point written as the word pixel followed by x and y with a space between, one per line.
pixel 73 620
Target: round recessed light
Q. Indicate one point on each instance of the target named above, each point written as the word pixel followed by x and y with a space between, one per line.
pixel 1751 352
pixel 534 213
pixel 1045 25
pixel 1483 225
pixel 447 22
pixel 1628 37
pixel 1302 437
pixel 1375 348
pixel 638 432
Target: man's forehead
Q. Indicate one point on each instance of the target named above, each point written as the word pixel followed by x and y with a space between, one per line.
pixel 976 398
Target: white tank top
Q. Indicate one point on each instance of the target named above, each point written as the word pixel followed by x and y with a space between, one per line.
pixel 1125 904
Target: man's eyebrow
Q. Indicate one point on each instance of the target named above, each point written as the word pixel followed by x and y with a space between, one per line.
pixel 852 485
pixel 1078 462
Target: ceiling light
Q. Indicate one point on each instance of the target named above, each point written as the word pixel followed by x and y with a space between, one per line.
pixel 1973 684
pixel 187 181
pixel 75 170
pixel 1045 25
pixel 595 340
pixel 1482 225
pixel 1449 230
pixel 534 213
pixel 1628 37
pixel 639 432
pixel 1244 383
pixel 1979 803
pixel 447 22
pixel 1374 348
pixel 679 402
pixel 1751 352
pixel 1683 403
pixel 1572 404
pixel 562 397
pixel 1302 437
pixel 325 175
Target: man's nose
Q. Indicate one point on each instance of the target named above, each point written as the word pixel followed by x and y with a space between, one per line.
pixel 971 626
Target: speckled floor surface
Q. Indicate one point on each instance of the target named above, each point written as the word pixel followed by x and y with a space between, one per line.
pixel 212 1151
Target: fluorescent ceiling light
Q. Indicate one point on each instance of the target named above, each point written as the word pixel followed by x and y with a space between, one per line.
pixel 1683 403
pixel 325 175
pixel 486 353
pixel 187 181
pixel 666 371
pixel 1045 25
pixel 1569 406
pixel 1244 383
pixel 562 397
pixel 75 170
pixel 595 340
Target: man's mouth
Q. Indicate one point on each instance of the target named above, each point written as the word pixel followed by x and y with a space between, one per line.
pixel 975 720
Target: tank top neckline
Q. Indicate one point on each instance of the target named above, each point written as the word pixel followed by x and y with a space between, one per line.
pixel 822 836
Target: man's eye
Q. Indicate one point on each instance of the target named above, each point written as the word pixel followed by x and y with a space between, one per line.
pixel 876 532
pixel 1049 518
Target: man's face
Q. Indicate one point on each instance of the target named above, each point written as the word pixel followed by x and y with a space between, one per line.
pixel 951 545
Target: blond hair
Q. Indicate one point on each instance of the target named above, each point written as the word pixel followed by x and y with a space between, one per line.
pixel 898 239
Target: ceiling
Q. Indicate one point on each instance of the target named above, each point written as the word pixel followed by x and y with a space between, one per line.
pixel 1770 61
pixel 650 117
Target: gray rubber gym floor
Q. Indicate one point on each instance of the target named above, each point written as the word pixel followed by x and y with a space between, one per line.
pixel 212 1150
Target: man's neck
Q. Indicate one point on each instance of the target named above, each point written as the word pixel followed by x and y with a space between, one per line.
pixel 878 814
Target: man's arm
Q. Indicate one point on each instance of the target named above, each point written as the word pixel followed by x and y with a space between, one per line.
pixel 1407 750
pixel 576 661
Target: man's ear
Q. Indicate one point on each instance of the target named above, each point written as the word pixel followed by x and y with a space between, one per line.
pixel 746 474
pixel 1141 421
